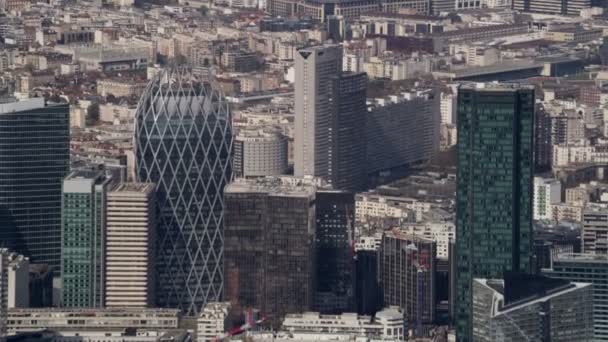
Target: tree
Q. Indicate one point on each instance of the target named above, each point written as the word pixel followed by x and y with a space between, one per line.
pixel 92 114
pixel 203 10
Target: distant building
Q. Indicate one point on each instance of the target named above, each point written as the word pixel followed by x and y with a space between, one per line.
pixel 595 229
pixel 368 294
pixel 532 308
pixel 269 239
pixel 130 246
pixel 84 239
pixel 386 324
pixel 547 192
pixel 330 119
pixel 239 61
pixel 335 218
pixel 407 277
pixel 259 153
pixel 116 319
pixel 402 131
pixel 114 58
pixel 18 276
pixel 14 281
pixel 4 255
pixel 41 286
pixel 120 87
pixel 211 322
pixel 542 140
pixel 586 268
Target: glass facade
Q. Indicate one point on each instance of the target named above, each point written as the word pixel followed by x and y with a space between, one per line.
pixel 34 159
pixel 494 188
pixel 587 268
pixel 183 144
pixel 269 247
pixel 83 239
pixel 407 277
pixel 335 211
pixel 544 316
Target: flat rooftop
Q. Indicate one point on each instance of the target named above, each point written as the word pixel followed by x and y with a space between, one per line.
pixel 489 86
pixel 134 187
pixel 274 186
pixel 582 257
pixel 20 106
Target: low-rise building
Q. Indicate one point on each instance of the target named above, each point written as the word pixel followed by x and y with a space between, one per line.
pixel 24 320
pixel 120 87
pixel 387 324
pixel 211 321
pixel 547 192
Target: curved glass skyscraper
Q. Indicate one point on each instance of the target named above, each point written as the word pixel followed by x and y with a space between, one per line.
pixel 183 143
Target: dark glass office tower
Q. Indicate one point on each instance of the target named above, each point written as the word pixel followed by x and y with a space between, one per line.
pixel 183 144
pixel 335 211
pixel 34 159
pixel 494 188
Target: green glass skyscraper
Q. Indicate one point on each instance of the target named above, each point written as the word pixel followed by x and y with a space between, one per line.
pixel 494 188
pixel 83 239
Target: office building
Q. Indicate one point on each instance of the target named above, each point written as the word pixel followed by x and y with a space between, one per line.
pixel 347 134
pixel 532 308
pixel 407 277
pixel 18 275
pixel 211 322
pixel 571 8
pixel 547 192
pixel 41 286
pixel 4 254
pixel 335 215
pixel 14 290
pixel 315 68
pixel 107 320
pixel 190 165
pixel 336 27
pixel 130 240
pixel 587 268
pixel 269 246
pixel 330 119
pixel 368 295
pixel 259 153
pixel 595 229
pixel 387 323
pixel 83 233
pixel 402 131
pixel 493 188
pixel 543 147
pixel 34 145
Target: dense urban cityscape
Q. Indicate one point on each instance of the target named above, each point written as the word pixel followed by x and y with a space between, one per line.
pixel 303 170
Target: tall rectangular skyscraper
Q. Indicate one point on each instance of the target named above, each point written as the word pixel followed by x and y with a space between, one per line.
pixel 335 213
pixel 330 119
pixel 269 246
pixel 83 239
pixel 34 159
pixel 494 188
pixel 130 240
